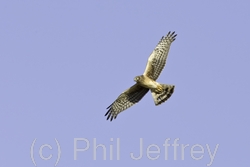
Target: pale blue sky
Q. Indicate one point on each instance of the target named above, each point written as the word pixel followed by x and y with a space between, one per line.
pixel 63 62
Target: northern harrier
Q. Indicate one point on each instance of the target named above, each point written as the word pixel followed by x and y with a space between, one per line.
pixel 147 81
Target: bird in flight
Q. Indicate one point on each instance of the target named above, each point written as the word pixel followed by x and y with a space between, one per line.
pixel 147 81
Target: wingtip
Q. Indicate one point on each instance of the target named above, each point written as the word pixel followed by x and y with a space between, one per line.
pixel 171 35
pixel 109 115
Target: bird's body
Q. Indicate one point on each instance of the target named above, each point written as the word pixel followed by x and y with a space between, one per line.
pixel 147 81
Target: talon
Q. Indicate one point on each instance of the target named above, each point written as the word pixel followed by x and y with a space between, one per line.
pixel 159 89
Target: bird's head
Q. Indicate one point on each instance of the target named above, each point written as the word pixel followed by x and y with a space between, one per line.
pixel 137 79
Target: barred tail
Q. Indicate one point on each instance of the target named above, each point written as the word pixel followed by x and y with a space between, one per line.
pixel 159 98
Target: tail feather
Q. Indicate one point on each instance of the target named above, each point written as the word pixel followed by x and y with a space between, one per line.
pixel 159 98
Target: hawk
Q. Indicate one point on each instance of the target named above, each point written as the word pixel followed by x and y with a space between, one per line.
pixel 147 81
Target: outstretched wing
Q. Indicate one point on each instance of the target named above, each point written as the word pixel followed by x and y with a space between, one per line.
pixel 128 98
pixel 158 57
